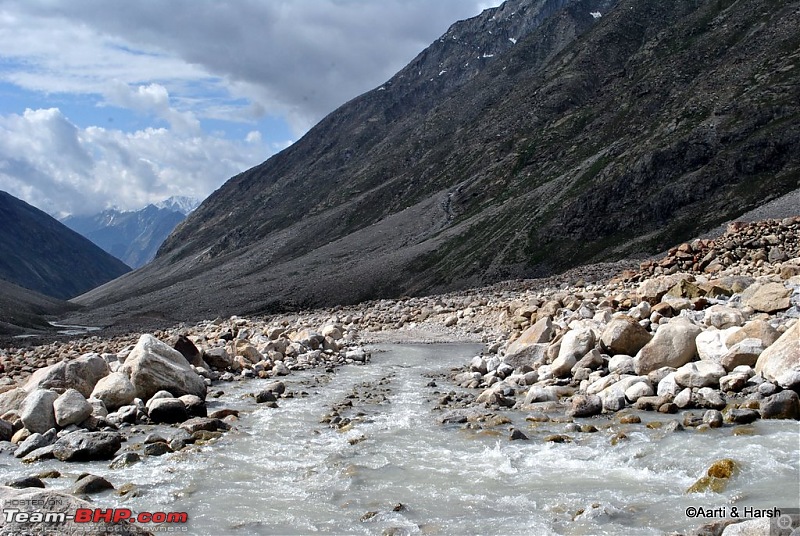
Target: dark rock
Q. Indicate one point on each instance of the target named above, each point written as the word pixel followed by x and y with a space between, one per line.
pixel 742 416
pixel 517 434
pixel 266 396
pixel 783 405
pixel 124 460
pixel 26 482
pixel 188 350
pixel 156 449
pixel 168 410
pixel 91 484
pixel 87 446
pixel 585 406
pixel 204 423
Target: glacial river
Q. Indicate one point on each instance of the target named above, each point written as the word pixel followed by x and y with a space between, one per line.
pixel 397 471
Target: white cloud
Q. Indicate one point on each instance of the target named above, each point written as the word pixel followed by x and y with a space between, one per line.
pixel 48 161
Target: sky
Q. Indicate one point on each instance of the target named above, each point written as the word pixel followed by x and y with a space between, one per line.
pixel 112 103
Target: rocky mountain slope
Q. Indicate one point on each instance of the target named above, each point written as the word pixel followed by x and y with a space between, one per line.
pixel 39 253
pixel 22 310
pixel 537 136
pixel 132 236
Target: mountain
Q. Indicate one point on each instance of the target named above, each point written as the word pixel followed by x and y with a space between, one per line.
pixel 133 236
pixel 39 253
pixel 539 135
pixel 23 310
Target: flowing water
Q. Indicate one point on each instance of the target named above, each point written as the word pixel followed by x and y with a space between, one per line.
pixel 282 471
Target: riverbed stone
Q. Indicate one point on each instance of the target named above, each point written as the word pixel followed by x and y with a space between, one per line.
pixel 767 297
pixel 81 374
pixel 781 361
pixel 638 390
pixel 218 358
pixel 699 374
pixel 706 397
pixel 540 332
pixel 672 346
pixel 531 356
pixel 35 441
pixel 114 390
pixel 711 344
pixel 71 408
pixel 12 399
pixel 204 423
pixel 153 365
pixel 723 317
pixel 167 410
pixel 624 335
pixel 585 406
pixel 87 446
pixel 783 405
pixel 744 352
pixel 189 351
pixel 88 484
pixel 758 329
pixel 37 412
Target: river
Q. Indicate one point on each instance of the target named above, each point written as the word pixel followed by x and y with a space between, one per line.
pixel 396 470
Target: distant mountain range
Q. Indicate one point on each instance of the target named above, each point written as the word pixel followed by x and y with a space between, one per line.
pixel 38 253
pixel 536 136
pixel 133 236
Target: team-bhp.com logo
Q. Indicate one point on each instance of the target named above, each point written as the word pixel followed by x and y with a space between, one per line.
pixel 94 515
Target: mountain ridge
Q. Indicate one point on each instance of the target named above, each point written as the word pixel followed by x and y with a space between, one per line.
pixel 588 139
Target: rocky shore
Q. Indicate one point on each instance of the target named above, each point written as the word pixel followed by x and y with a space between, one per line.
pixel 709 333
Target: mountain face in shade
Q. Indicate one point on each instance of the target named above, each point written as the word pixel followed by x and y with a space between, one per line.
pixel 133 236
pixel 41 254
pixel 534 137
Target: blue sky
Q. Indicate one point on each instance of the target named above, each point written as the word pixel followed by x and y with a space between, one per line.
pixel 110 103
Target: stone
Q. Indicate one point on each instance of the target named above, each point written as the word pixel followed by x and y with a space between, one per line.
pixel 668 386
pixel 711 344
pixel 706 397
pixel 189 351
pixel 684 398
pixel 699 374
pixel 734 382
pixel 713 418
pixel 152 366
pixel 637 391
pixel 33 442
pixel 48 502
pixel 585 406
pixel 516 434
pixel 167 410
pixel 756 329
pixel 716 477
pixel 478 364
pixel 723 317
pixel 218 358
pixel 624 335
pixel 672 346
pixel 783 405
pixel 81 374
pixel 531 356
pixel 767 297
pixel 742 416
pixel 6 430
pixel 592 360
pixel 71 408
pixel 158 448
pixel 87 446
pixel 204 423
pixel 782 358
pixel 749 527
pixel 621 364
pixel 195 406
pixel 265 395
pixel 125 459
pixel 115 391
pixel 539 333
pixel 744 352
pixel 91 484
pixel 12 399
pixel 26 482
pixel 37 412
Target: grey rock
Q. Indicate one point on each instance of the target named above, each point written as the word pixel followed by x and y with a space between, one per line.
pixel 153 366
pixel 585 406
pixel 87 446
pixel 71 408
pixel 114 390
pixel 672 346
pixel 91 484
pixel 81 374
pixel 167 410
pixel 783 405
pixel 37 412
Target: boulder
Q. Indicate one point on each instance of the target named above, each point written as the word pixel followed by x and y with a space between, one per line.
pixel 153 366
pixel 87 446
pixel 699 374
pixel 37 412
pixel 767 297
pixel 12 399
pixel 711 344
pixel 755 329
pixel 218 358
pixel 672 346
pixel 71 408
pixel 781 361
pixel 539 333
pixel 745 352
pixel 115 391
pixel 167 410
pixel 195 406
pixel 87 484
pixel 723 317
pixel 189 351
pixel 783 405
pixel 35 441
pixel 624 335
pixel 531 356
pixel 575 344
pixel 585 406
pixel 81 374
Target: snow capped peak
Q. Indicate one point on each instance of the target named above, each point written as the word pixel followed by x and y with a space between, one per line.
pixel 179 203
